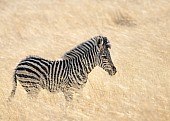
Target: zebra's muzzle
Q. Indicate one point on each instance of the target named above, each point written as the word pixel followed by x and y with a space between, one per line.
pixel 112 72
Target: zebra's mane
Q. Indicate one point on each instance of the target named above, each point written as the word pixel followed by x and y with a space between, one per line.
pixel 71 53
pixel 97 41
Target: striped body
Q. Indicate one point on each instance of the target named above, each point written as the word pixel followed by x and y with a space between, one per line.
pixel 71 71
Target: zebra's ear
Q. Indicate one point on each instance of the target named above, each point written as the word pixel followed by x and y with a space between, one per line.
pixel 100 43
pixel 106 42
pixel 103 42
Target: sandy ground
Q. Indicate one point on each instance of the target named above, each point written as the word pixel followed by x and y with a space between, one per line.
pixel 139 31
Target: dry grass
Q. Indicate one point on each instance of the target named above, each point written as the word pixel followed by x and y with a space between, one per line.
pixel 139 31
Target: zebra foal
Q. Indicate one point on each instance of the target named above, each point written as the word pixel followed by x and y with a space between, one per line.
pixel 35 73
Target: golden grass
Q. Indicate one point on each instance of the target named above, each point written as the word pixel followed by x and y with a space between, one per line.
pixel 139 32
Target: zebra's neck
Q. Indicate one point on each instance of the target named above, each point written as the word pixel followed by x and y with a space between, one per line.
pixel 89 62
pixel 85 62
pixel 83 56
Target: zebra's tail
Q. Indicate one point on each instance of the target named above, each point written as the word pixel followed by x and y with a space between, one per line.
pixel 14 87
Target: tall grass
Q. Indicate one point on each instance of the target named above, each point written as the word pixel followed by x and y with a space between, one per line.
pixel 139 34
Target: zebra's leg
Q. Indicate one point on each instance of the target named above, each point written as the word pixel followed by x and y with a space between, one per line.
pixel 68 95
pixel 79 95
pixel 32 91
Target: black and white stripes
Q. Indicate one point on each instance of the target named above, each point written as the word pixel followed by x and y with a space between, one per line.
pixel 69 72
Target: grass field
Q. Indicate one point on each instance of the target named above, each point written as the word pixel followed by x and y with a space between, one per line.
pixel 139 31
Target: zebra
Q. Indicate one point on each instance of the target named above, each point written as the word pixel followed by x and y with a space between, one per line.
pixel 69 72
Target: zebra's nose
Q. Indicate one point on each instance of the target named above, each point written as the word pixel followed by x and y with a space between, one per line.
pixel 114 70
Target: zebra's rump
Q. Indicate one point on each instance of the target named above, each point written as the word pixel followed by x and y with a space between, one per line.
pixel 48 74
pixel 32 70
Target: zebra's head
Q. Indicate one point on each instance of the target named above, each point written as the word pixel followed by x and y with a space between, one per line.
pixel 104 58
